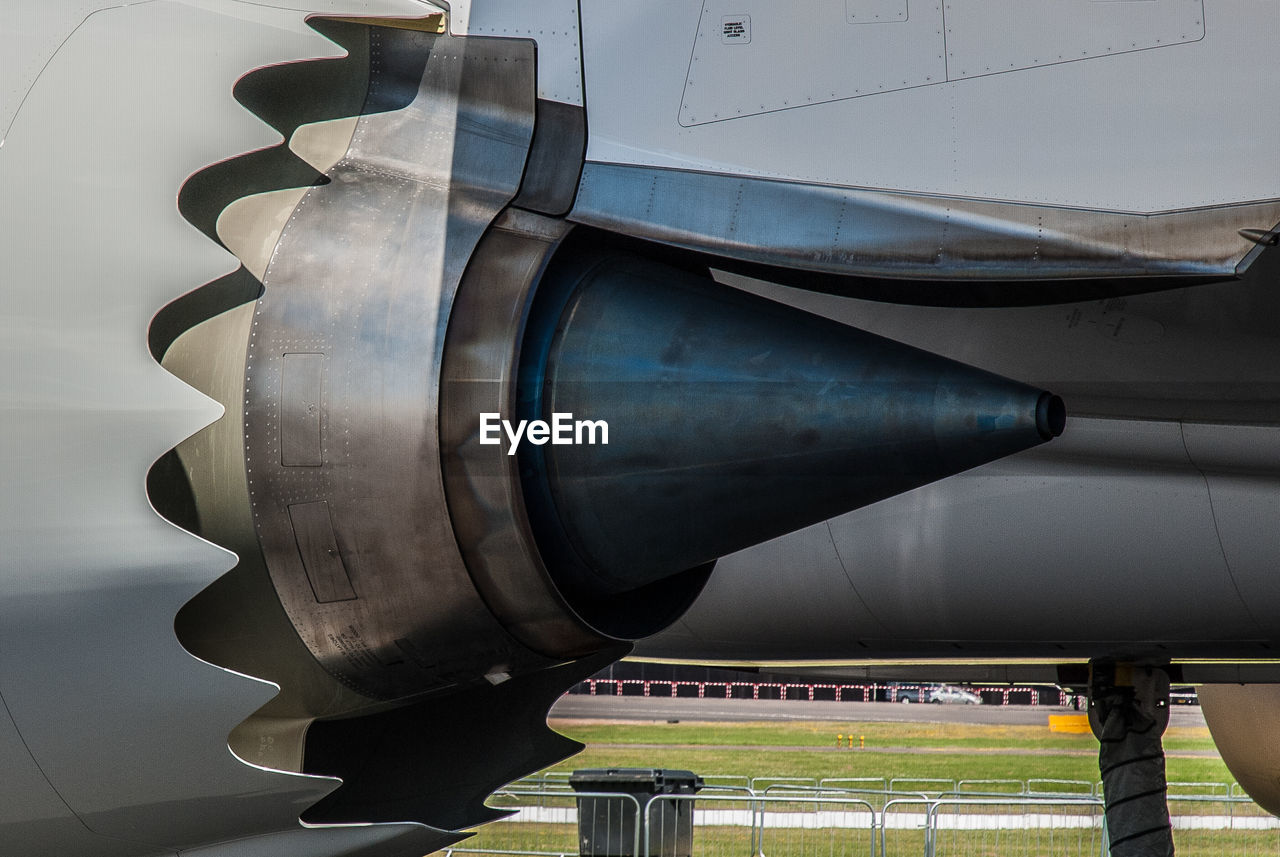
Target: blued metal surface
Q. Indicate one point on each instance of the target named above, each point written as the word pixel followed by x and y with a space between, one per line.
pixel 485 484
pixel 733 419
pixel 127 726
pixel 479 375
pixel 365 275
pixel 856 231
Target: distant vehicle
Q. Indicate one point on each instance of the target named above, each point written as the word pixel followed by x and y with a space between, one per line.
pixel 907 693
pixel 956 695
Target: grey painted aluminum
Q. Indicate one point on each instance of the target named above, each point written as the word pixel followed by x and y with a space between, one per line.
pixel 376 840
pixel 125 726
pixel 364 278
pixel 870 232
pixel 1149 524
pixel 34 816
pixel 1209 354
pixel 1102 543
pixel 479 375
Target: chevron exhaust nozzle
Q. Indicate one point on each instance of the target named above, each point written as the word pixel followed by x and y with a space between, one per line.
pixel 732 419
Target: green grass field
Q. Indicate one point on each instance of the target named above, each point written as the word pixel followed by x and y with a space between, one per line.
pixel 892 750
pixel 807 749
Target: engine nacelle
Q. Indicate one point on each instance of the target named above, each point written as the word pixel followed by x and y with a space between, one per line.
pixel 1242 717
pixel 393 544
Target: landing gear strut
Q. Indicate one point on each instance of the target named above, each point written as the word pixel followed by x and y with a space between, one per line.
pixel 1128 712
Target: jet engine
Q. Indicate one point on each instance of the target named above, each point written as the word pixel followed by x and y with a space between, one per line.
pixel 468 451
pixel 471 401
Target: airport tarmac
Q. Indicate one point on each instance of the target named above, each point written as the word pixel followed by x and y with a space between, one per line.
pixel 586 707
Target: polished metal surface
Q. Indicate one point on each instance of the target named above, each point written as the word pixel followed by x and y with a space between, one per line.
pixel 479 375
pixel 363 282
pixel 733 419
pixel 237 622
pixel 315 724
pixel 845 230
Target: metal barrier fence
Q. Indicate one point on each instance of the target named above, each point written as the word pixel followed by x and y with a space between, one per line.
pixel 936 786
pixel 729 689
pixel 1222 826
pixel 546 822
pixel 800 820
pixel 1015 826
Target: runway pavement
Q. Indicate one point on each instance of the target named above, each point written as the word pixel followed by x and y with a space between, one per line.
pixel 584 707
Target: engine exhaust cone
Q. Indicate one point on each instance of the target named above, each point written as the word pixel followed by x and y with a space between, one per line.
pixel 732 419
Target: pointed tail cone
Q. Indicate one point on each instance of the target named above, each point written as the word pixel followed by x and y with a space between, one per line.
pixel 732 420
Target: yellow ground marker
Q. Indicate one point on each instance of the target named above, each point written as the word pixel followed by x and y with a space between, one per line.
pixel 1076 724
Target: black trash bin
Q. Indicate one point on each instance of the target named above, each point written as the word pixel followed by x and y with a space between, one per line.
pixel 607 825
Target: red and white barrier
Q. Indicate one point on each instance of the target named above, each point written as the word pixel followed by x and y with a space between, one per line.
pixel 842 692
